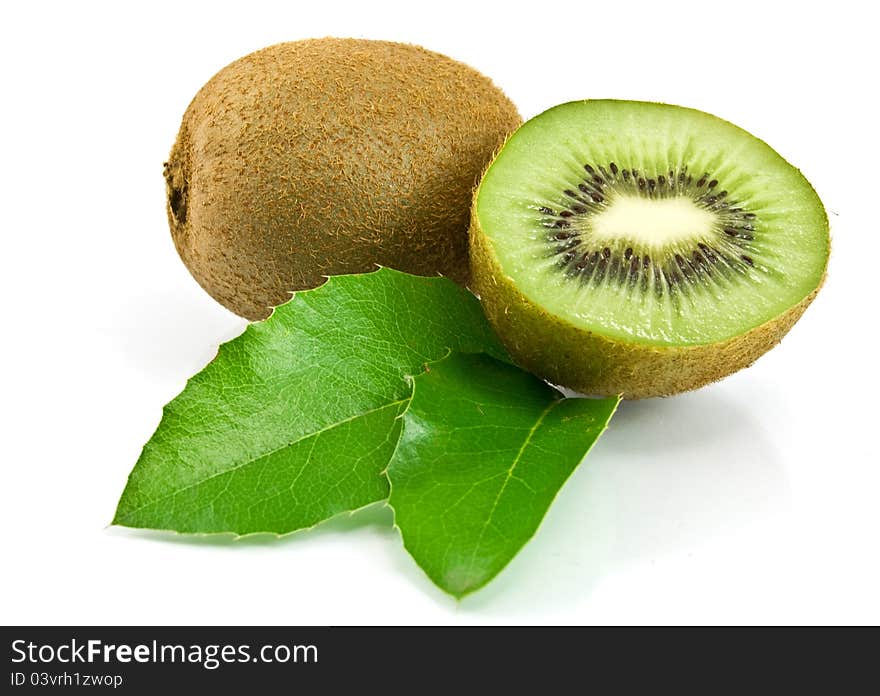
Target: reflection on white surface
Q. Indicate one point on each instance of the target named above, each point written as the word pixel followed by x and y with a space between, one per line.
pixel 668 476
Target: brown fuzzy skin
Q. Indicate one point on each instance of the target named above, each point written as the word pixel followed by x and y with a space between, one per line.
pixel 330 156
pixel 594 364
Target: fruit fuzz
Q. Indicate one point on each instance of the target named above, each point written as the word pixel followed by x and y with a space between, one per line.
pixel 643 249
pixel 329 156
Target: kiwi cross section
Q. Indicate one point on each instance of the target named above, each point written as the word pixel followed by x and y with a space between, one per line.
pixel 652 223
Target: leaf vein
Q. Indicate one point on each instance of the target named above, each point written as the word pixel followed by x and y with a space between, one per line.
pixel 507 479
pixel 266 455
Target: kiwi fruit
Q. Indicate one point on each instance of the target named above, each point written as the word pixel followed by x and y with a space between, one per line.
pixel 328 156
pixel 643 249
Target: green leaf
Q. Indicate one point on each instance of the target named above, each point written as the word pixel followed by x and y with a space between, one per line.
pixel 484 451
pixel 295 420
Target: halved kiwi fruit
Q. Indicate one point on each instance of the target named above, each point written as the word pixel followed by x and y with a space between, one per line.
pixel 643 249
pixel 328 156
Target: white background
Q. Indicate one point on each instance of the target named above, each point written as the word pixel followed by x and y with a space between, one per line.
pixel 753 500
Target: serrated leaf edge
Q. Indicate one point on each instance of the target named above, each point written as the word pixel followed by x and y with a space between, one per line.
pixel 316 433
pixel 251 328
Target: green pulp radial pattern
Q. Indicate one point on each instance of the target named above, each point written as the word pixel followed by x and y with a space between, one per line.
pixel 652 223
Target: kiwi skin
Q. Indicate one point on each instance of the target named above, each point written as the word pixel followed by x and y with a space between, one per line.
pixel 590 363
pixel 329 156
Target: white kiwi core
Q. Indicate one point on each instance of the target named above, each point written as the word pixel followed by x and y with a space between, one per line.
pixel 651 223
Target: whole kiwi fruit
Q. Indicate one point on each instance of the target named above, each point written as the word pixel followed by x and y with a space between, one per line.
pixel 329 156
pixel 643 249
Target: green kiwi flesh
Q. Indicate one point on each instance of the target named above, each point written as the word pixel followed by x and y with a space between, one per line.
pixel 329 156
pixel 641 248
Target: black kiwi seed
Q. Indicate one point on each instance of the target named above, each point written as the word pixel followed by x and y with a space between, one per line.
pixel 614 270
pixel 683 266
pixel 589 268
pixel 593 268
pixel 710 255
